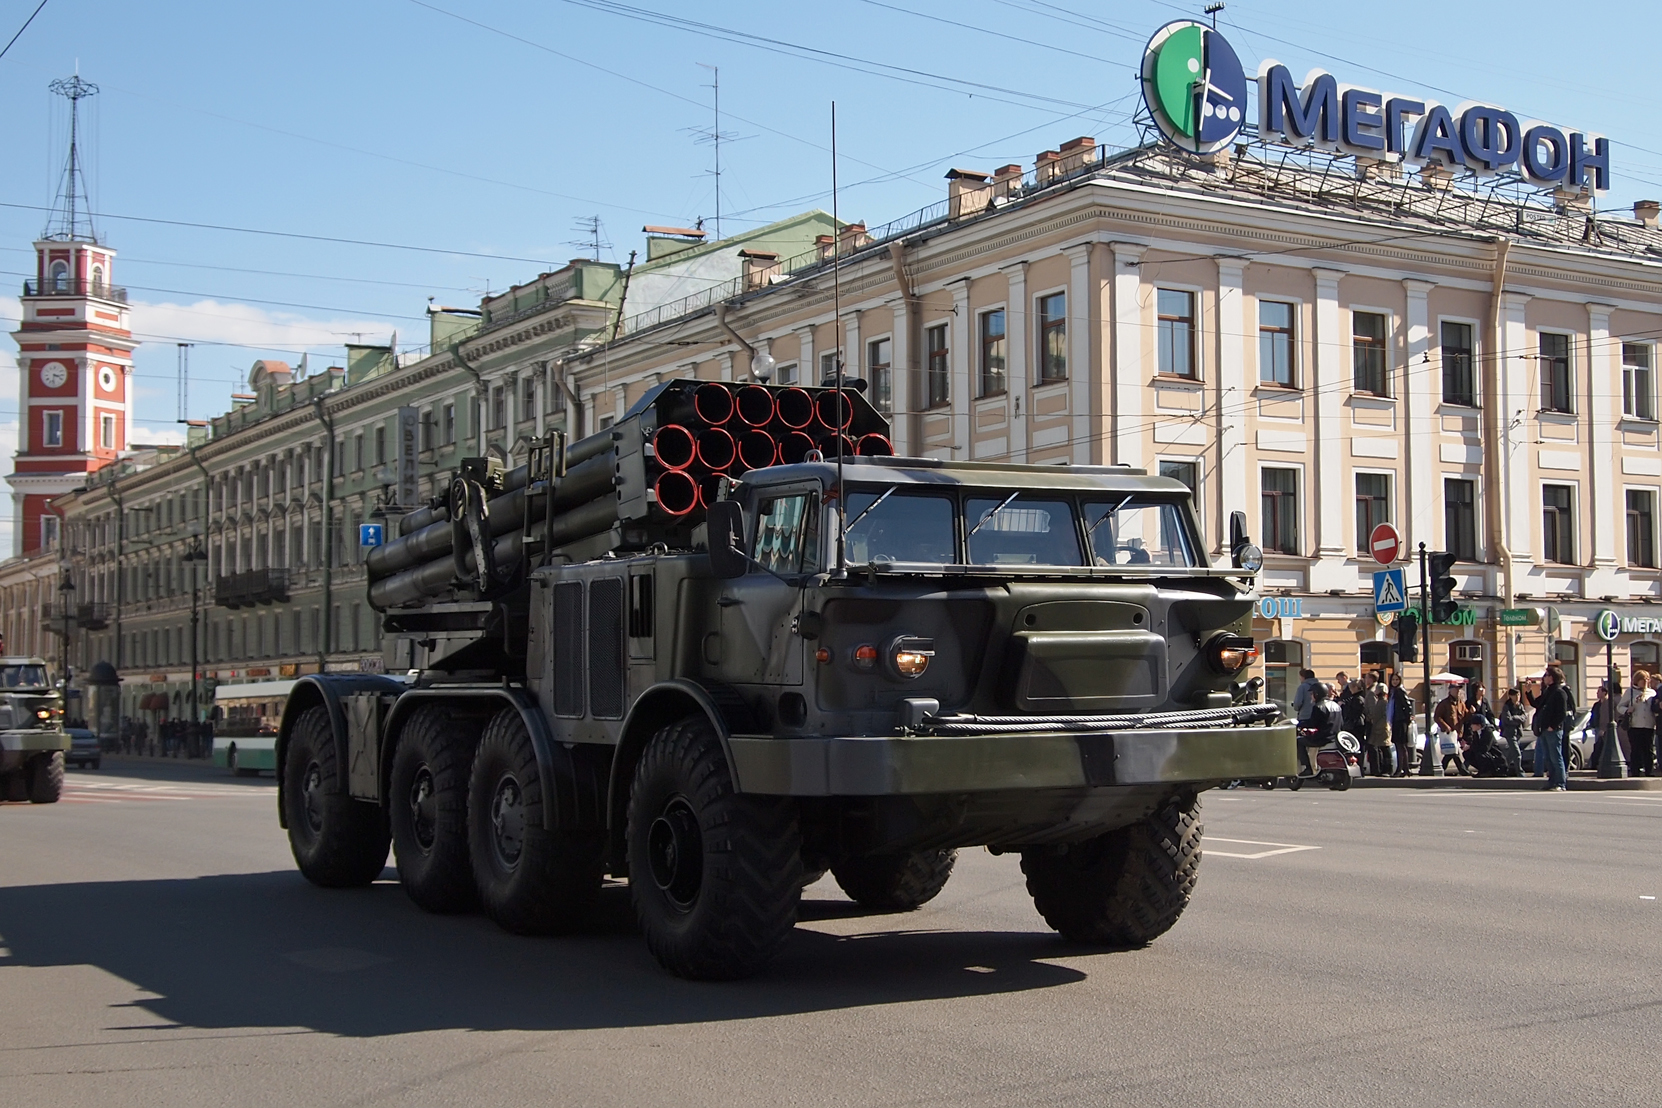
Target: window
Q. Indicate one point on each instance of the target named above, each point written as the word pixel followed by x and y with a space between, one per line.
pixel 357 452
pixel 880 371
pixel 49 530
pixel 1367 353
pixel 1638 386
pixel 1186 472
pixel 992 353
pixel 1459 377
pixel 106 431
pixel 60 276
pixel 828 366
pixel 447 424
pixel 903 528
pixel 1176 312
pixel 1282 661
pixel 787 374
pixel 1022 532
pixel 1137 532
pixel 1373 506
pixel 499 408
pixel 429 430
pixel 1460 518
pixel 1641 528
pixel 1557 523
pixel 1053 337
pixel 52 429
pixel 1555 373
pixel 381 445
pixel 529 397
pixel 787 538
pixel 935 362
pixel 1646 656
pixel 1280 506
pixel 1275 342
pixel 98 280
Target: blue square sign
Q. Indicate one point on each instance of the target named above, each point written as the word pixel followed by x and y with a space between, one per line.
pixel 1390 594
pixel 369 534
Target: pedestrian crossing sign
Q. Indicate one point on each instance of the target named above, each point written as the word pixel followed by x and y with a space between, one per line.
pixel 1390 594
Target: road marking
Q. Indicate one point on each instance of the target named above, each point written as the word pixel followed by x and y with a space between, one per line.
pixel 1282 848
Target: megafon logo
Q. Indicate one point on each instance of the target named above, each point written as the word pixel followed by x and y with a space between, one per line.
pixel 1608 625
pixel 1194 86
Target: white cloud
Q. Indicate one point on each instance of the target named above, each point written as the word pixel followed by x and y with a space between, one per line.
pixel 157 436
pixel 211 321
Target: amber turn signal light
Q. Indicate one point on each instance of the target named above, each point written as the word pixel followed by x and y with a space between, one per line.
pixel 909 656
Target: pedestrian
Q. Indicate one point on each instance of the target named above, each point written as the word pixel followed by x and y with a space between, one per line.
pixel 1551 701
pixel 1379 730
pixel 1513 715
pixel 1353 712
pixel 1399 714
pixel 1450 715
pixel 1302 696
pixel 1597 721
pixel 1481 722
pixel 1639 705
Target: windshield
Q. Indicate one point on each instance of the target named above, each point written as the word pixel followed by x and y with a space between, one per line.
pixel 903 528
pixel 1132 531
pixel 1020 531
pixel 23 677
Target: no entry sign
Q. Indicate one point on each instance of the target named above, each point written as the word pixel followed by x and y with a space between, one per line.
pixel 1385 544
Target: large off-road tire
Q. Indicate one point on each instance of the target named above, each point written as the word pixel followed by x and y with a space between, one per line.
pixel 46 778
pixel 338 842
pixel 715 876
pixel 531 881
pixel 1125 888
pixel 427 803
pixel 895 882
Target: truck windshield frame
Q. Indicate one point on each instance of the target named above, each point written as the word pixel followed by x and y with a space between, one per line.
pixel 23 677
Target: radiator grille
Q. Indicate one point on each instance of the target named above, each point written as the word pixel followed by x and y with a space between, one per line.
pixel 567 648
pixel 606 665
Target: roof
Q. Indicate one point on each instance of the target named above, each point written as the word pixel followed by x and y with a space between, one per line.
pixel 926 472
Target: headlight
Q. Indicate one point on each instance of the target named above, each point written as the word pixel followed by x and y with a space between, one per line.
pixel 865 656
pixel 909 655
pixel 1250 558
pixel 1230 654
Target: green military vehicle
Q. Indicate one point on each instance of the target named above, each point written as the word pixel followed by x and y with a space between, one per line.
pixel 32 739
pixel 730 644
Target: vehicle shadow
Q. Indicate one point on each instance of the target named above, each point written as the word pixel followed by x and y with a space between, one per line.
pixel 270 950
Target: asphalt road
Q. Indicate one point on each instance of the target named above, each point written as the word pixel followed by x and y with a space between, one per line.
pixel 158 948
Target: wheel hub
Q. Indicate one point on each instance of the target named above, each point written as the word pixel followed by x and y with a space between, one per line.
pixel 311 797
pixel 675 848
pixel 508 821
pixel 424 808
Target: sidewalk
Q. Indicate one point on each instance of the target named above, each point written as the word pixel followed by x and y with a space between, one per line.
pixel 1580 781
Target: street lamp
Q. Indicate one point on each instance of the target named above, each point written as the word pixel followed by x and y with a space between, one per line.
pixel 66 597
pixel 195 556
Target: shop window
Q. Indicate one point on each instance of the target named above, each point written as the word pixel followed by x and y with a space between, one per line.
pixel 1283 658
pixel 1367 353
pixel 1641 528
pixel 1556 389
pixel 1638 384
pixel 1275 343
pixel 992 353
pixel 1053 337
pixel 1378 659
pixel 1459 380
pixel 1176 310
pixel 1646 656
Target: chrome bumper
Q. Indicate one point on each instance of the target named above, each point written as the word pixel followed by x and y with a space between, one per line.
pixel 918 764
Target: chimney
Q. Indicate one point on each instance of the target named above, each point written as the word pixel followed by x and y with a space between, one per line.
pixel 1647 212
pixel 1006 181
pixel 1078 154
pixel 967 193
pixel 852 237
pixel 759 268
pixel 823 244
pixel 1047 167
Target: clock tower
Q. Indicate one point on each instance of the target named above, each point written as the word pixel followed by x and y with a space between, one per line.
pixel 74 362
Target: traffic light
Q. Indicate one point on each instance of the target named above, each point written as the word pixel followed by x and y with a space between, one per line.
pixel 1408 637
pixel 1443 605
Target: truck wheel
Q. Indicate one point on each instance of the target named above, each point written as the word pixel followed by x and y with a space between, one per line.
pixel 895 882
pixel 715 876
pixel 46 778
pixel 1125 888
pixel 338 842
pixel 531 881
pixel 428 808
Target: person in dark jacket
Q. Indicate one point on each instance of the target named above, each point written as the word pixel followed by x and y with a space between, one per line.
pixel 1353 715
pixel 1513 715
pixel 1399 716
pixel 1551 701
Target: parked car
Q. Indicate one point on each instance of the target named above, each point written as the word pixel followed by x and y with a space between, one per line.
pixel 84 749
pixel 1582 738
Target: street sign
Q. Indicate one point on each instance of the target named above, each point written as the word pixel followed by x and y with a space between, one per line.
pixel 1389 592
pixel 369 534
pixel 1519 617
pixel 1385 544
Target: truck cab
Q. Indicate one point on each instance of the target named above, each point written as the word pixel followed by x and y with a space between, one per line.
pixel 33 741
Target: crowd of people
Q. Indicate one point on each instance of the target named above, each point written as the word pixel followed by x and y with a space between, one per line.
pixel 171 738
pixel 1379 711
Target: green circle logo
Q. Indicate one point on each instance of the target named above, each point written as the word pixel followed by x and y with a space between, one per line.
pixel 1607 624
pixel 1194 86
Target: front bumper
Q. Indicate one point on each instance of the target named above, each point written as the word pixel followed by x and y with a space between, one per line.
pixel 17 747
pixel 902 765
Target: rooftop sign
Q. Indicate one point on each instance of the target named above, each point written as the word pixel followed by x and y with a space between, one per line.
pixel 1196 90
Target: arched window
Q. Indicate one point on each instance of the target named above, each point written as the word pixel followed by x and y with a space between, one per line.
pixel 98 280
pixel 60 276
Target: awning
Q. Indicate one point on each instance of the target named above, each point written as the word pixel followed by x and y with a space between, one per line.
pixel 153 702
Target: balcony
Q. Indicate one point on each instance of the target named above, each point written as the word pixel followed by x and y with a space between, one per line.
pixel 255 586
pixel 84 617
pixel 96 289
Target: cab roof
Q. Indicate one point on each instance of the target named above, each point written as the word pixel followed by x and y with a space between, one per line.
pixel 925 472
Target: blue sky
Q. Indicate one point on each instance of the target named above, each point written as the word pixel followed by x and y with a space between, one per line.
pixel 396 122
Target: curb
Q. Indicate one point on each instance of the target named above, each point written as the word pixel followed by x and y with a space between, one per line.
pixel 1510 784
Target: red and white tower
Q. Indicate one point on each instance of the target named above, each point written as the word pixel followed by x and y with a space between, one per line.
pixel 75 357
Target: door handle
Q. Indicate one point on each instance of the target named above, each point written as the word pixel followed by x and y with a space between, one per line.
pixel 728 602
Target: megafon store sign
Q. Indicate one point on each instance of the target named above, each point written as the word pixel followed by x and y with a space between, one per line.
pixel 1196 90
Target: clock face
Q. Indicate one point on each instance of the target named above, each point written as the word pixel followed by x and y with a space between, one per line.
pixel 106 379
pixel 53 375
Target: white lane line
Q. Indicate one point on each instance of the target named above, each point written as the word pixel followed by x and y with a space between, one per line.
pixel 1282 848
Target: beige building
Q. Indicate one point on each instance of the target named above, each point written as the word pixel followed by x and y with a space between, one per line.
pixel 1321 343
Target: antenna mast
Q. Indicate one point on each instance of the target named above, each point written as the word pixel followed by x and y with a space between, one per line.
pixel 184 381
pixel 73 209
pixel 838 337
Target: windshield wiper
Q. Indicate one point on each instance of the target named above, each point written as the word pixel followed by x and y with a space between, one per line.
pixel 994 512
pixel 850 525
pixel 1110 514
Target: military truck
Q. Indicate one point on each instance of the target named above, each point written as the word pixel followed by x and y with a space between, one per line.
pixel 32 739
pixel 732 643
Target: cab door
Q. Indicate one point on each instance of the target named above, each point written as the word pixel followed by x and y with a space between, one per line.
pixel 757 644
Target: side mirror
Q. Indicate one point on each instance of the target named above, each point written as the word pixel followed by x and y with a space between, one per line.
pixel 1243 553
pixel 724 521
